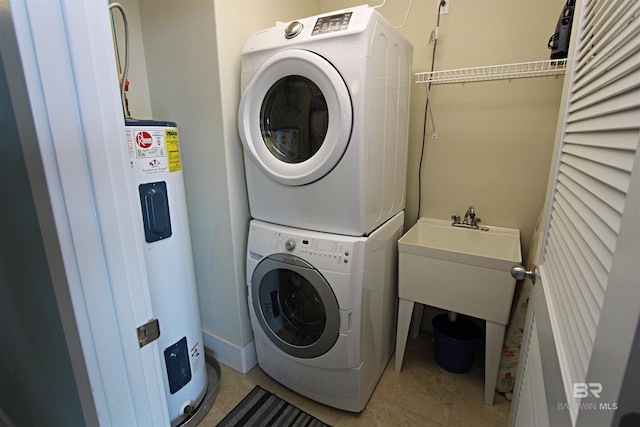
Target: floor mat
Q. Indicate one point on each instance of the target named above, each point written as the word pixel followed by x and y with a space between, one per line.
pixel 263 408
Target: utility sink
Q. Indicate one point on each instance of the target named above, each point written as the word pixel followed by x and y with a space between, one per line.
pixel 459 269
pixel 488 246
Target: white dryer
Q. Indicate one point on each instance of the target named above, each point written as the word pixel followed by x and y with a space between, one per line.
pixel 323 308
pixel 323 119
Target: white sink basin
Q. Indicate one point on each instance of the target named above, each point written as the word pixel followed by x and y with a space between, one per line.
pixel 459 269
pixel 496 247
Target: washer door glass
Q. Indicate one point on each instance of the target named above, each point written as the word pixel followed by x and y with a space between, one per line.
pixel 295 117
pixel 295 306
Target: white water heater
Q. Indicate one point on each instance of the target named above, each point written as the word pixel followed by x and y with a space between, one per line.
pixel 156 172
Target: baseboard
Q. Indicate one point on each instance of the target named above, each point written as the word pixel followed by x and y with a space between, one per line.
pixel 241 359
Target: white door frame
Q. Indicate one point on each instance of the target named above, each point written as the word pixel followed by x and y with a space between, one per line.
pixel 73 137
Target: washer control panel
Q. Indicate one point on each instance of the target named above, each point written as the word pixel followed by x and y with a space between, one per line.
pixel 330 250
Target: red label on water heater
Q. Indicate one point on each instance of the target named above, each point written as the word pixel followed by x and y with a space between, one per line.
pixel 154 150
pixel 144 139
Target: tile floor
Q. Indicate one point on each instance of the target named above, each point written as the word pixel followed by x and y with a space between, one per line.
pixel 423 394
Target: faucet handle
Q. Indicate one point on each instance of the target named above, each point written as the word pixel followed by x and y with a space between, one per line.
pixel 456 219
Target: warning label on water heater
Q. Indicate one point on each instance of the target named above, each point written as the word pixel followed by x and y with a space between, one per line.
pixel 173 150
pixel 196 358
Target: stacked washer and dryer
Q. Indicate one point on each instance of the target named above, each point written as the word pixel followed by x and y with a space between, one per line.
pixel 323 120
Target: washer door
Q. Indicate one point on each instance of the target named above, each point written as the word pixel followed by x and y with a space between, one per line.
pixel 295 117
pixel 295 306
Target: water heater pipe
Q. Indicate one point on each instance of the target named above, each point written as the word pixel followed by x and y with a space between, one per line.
pixel 125 72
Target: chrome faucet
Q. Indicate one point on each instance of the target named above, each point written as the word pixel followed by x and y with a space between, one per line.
pixel 470 214
pixel 470 220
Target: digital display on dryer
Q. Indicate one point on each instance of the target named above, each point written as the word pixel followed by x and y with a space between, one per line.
pixel 331 24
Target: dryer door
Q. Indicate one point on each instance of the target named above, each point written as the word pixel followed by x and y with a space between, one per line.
pixel 295 117
pixel 295 306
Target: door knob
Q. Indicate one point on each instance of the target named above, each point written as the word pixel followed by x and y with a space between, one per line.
pixel 518 272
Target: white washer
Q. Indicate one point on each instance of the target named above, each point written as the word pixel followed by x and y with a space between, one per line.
pixel 323 119
pixel 323 308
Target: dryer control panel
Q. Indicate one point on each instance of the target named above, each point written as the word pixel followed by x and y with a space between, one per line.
pixel 339 23
pixel 331 24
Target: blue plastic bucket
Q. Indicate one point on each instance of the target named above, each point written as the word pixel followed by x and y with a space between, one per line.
pixel 455 342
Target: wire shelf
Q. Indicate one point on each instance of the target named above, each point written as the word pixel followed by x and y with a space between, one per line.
pixel 519 70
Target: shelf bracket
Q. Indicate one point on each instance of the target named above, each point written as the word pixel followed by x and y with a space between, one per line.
pixel 434 133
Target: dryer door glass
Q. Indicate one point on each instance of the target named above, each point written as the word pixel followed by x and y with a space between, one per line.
pixel 294 119
pixel 296 308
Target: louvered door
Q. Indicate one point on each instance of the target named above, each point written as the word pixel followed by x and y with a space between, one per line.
pixel 589 258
